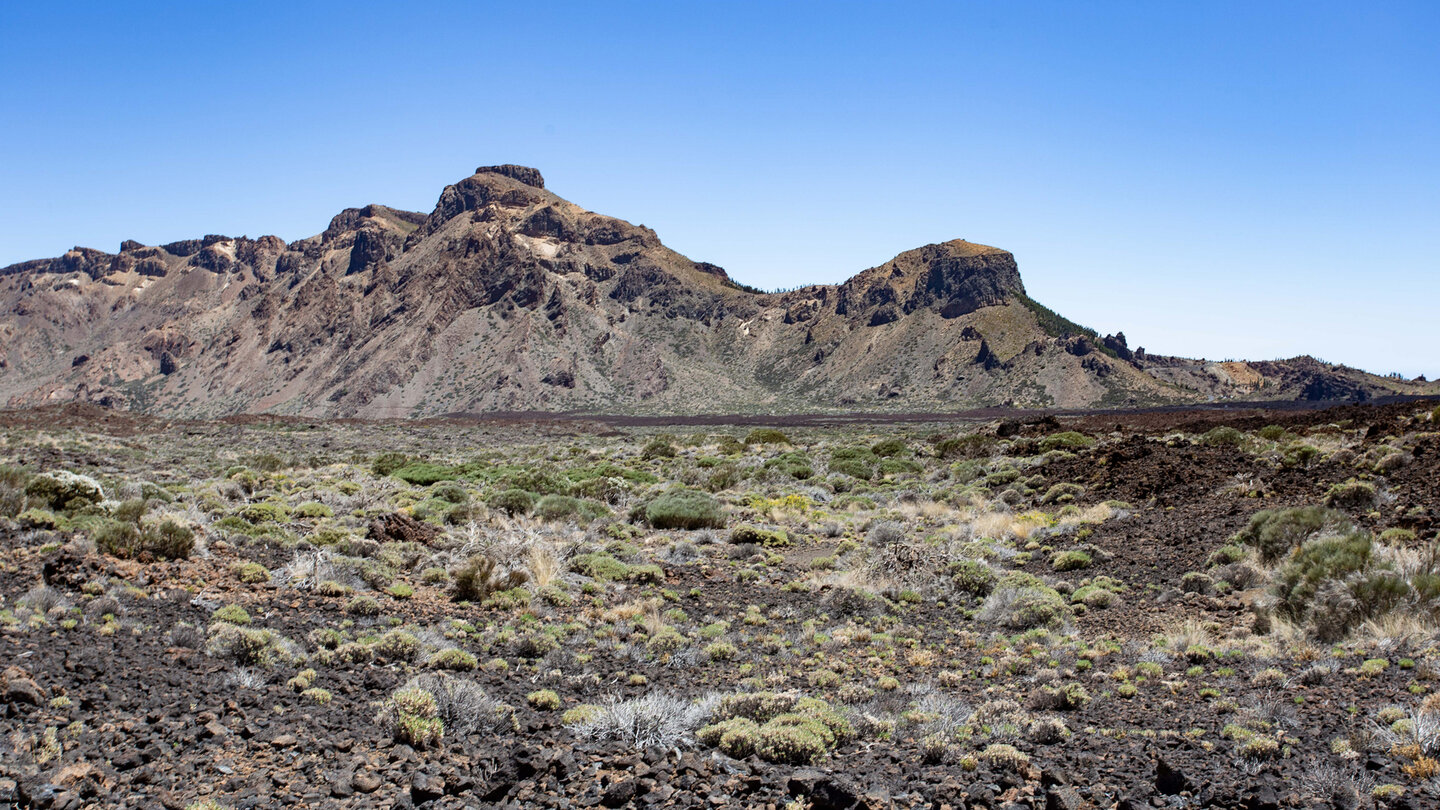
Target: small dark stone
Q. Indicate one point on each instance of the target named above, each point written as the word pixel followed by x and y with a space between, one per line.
pixel 1063 798
pixel 619 793
pixel 1168 780
pixel 426 787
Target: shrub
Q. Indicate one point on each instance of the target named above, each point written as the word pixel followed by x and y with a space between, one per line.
pixel 721 651
pixel 463 706
pixel 512 501
pixel 658 447
pixel 1222 436
pixel 1065 440
pixel 886 448
pixel 231 614
pixel 397 645
pixel 1070 561
pixel 363 606
pixel 799 743
pixel 599 565
pixel 478 578
pixel 974 577
pixel 647 574
pixel 165 539
pixel 974 445
pixel 1326 558
pixel 454 659
pixel 1004 757
pixel 685 509
pixel 770 538
pixel 561 507
pixel 1024 608
pixel 583 713
pixel 653 720
pixel 412 716
pixel 543 699
pixel 1069 697
pixel 251 573
pixel 387 463
pixel 62 489
pixel 735 737
pixel 1196 582
pixel 1063 492
pixel 535 644
pixel 766 436
pixel 241 645
pixel 1276 532
pixel 1352 494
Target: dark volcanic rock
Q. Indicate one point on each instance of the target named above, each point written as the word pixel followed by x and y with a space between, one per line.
pixel 525 174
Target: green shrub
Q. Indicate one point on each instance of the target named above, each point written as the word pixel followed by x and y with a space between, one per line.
pixel 450 492
pixel 854 468
pixel 454 659
pixel 1064 492
pixel 412 716
pixel 363 606
pixel 1002 756
pixel 969 446
pixel 397 645
pixel 512 501
pixel 770 538
pixel 241 645
pixel 685 509
pixel 1024 608
pixel 1196 582
pixel 231 614
pixel 387 463
pixel 890 447
pixel 251 573
pixel 735 737
pixel 1272 433
pixel 781 728
pixel 165 539
pixel 583 713
pixel 1276 532
pixel 62 489
pixel 791 743
pixel 1065 440
pixel 543 699
pixel 1222 436
pixel 1319 560
pixel 1352 494
pixel 598 565
pixel 313 510
pixel 658 448
pixel 766 436
pixel 974 577
pixel 1070 561
pixel 721 650
pixel 647 574
pixel 900 466
pixel 562 507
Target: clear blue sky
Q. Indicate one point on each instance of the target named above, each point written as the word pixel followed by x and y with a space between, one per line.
pixel 1217 179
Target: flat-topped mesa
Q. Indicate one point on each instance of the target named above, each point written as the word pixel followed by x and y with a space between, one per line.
pixel 953 278
pixel 525 174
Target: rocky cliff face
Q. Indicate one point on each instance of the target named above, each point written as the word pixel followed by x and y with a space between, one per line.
pixel 507 297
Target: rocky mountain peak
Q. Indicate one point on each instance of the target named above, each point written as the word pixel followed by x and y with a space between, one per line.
pixel 525 174
pixel 952 278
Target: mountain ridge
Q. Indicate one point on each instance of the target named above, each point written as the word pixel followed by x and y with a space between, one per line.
pixel 506 296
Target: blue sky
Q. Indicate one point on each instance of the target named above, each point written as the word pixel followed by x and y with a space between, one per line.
pixel 1221 180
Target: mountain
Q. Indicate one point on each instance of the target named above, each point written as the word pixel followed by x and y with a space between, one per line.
pixel 507 297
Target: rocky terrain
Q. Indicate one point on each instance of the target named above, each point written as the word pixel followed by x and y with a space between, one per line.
pixel 1229 609
pixel 506 297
